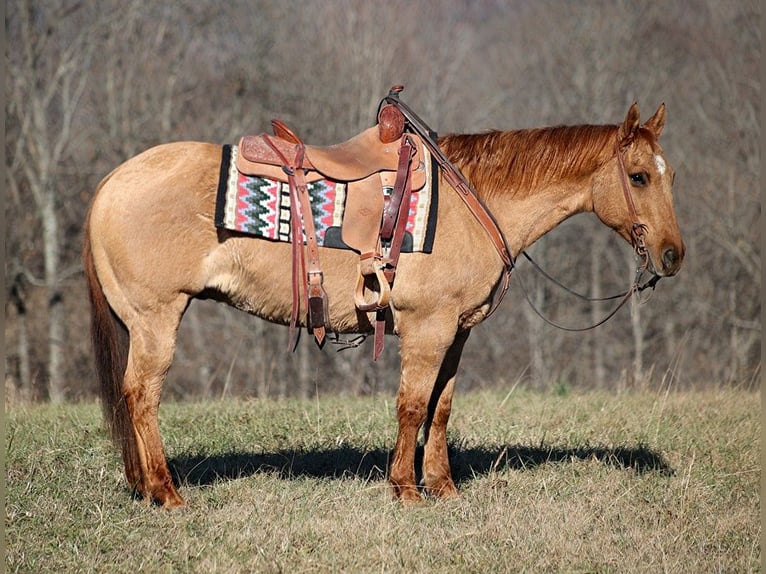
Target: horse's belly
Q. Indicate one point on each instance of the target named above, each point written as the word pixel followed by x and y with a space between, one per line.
pixel 255 275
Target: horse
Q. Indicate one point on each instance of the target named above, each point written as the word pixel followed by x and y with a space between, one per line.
pixel 151 247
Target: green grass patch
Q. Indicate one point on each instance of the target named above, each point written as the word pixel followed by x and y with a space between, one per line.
pixel 591 482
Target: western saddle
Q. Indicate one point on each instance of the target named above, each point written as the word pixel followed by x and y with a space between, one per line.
pixel 384 157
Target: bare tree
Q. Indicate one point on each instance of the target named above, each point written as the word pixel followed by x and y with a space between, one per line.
pixel 49 85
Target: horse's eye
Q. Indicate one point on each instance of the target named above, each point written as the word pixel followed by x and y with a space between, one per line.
pixel 639 179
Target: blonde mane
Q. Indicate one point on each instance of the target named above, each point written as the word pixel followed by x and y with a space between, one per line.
pixel 516 162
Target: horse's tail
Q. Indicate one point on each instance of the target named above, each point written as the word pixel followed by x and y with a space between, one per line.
pixel 110 346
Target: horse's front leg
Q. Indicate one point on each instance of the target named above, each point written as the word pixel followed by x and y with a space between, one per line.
pixel 423 350
pixel 436 468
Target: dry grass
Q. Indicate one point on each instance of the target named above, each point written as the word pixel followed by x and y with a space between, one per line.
pixel 641 482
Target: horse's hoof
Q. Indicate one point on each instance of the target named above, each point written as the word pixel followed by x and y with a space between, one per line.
pixel 447 494
pixel 175 506
pixel 444 491
pixel 173 502
pixel 416 502
pixel 410 497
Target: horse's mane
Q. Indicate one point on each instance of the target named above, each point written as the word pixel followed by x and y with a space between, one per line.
pixel 519 161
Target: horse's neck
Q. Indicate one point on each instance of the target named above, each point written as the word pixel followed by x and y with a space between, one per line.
pixel 532 180
pixel 525 219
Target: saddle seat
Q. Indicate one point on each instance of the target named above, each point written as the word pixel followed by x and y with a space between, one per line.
pixel 353 160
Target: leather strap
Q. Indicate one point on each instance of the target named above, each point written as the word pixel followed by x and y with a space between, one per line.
pixel 298 265
pixel 316 304
pixel 391 210
pixel 400 201
pixel 637 229
pixel 380 333
pixel 393 228
pixel 315 298
pixel 465 191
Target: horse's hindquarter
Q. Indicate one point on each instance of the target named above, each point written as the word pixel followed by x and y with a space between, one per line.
pixel 151 225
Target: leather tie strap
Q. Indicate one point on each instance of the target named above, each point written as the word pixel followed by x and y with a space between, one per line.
pixel 315 298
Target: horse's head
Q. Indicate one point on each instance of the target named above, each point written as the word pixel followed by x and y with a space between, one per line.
pixel 635 196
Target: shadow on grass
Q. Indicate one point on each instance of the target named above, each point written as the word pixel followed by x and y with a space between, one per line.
pixel 352 462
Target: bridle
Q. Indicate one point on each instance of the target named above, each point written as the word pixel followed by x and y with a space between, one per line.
pixel 637 233
pixel 638 230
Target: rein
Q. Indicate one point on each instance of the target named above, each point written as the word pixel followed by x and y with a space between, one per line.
pixel 638 232
pixel 624 297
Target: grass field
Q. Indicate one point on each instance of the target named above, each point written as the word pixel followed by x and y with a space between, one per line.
pixel 591 482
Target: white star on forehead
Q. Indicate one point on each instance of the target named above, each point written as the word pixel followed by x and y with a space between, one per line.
pixel 660 162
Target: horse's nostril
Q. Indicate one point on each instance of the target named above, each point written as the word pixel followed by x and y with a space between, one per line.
pixel 670 258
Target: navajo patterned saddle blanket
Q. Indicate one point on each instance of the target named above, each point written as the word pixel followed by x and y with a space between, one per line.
pixel 260 207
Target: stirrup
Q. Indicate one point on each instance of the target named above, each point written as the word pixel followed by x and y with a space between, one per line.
pixel 371 265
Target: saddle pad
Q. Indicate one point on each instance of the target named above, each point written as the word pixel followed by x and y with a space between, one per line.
pixel 260 206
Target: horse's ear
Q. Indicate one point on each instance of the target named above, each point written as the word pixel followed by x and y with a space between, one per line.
pixel 657 121
pixel 629 127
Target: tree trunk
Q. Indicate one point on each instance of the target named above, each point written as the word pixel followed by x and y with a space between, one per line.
pixel 538 372
pixel 22 344
pixel 596 261
pixel 56 327
pixel 637 331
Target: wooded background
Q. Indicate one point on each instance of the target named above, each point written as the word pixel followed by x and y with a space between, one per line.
pixel 90 84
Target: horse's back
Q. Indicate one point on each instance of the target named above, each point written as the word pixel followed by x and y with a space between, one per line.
pixel 160 175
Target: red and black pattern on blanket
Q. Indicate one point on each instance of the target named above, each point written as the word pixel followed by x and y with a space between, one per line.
pixel 260 207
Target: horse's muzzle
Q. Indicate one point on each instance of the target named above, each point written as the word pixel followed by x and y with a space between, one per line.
pixel 671 260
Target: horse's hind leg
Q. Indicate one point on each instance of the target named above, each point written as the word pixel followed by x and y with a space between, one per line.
pixel 436 468
pixel 152 343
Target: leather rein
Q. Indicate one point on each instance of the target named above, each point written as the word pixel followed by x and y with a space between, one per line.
pixel 638 232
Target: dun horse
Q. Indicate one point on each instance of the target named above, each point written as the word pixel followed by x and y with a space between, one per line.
pixel 151 246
